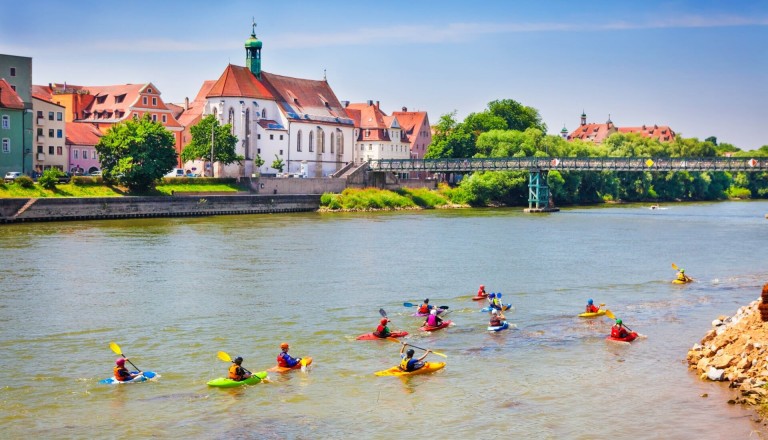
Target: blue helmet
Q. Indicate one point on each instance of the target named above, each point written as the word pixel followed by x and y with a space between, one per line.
pixel 589 301
pixel 493 295
pixel 498 295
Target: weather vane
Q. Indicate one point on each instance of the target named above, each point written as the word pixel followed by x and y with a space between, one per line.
pixel 254 25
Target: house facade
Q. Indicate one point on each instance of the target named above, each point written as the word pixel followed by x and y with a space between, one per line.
pixel 377 136
pixel 50 134
pixel 296 122
pixel 16 137
pixel 416 127
pixel 81 141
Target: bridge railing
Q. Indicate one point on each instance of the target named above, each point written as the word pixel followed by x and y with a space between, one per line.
pixel 635 164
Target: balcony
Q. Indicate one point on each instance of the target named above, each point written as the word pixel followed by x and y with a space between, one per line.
pixel 41 157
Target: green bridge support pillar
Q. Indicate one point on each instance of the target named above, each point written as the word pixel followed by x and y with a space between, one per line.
pixel 538 193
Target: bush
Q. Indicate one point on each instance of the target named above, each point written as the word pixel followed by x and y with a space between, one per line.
pixel 24 182
pixel 87 180
pixel 50 178
pixel 737 192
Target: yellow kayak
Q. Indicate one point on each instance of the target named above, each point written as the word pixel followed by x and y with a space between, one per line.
pixel 428 367
pixel 600 312
pixel 676 281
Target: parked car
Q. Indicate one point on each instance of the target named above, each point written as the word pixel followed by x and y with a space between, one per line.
pixel 10 176
pixel 64 177
pixel 96 173
pixel 176 172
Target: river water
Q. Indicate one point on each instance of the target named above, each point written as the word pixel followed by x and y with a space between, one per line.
pixel 174 292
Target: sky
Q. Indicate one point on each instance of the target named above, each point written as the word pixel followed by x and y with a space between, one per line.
pixel 698 66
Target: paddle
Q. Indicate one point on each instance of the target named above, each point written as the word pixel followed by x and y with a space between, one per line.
pixel 610 314
pixel 435 352
pixel 407 304
pixel 382 313
pixel 116 349
pixel 225 357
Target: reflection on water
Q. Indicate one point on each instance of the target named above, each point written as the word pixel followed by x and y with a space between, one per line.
pixel 174 292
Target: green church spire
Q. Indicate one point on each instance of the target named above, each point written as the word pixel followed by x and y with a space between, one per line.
pixel 253 53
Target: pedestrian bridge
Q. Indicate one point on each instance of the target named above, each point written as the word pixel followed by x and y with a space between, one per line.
pixel 539 199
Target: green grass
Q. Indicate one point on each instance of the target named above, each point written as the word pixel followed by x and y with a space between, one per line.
pixel 367 199
pixel 11 190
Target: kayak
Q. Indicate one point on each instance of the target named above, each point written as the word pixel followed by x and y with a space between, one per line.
pixel 225 382
pixel 279 369
pixel 629 338
pixel 371 336
pixel 498 328
pixel 145 376
pixel 479 298
pixel 439 311
pixel 503 307
pixel 592 314
pixel 676 281
pixel 428 367
pixel 429 328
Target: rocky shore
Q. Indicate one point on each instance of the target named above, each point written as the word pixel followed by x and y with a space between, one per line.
pixel 736 350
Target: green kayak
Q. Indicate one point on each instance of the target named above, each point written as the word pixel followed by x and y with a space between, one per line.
pixel 224 382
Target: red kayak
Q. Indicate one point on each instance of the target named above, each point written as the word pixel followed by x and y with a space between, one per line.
pixel 629 338
pixel 371 336
pixel 479 298
pixel 429 328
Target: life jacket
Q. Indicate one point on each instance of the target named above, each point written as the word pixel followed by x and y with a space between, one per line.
pixel 407 364
pixel 424 308
pixel 285 360
pixel 235 372
pixel 382 331
pixel 121 373
pixel 496 304
pixel 495 321
pixel 618 332
pixel 481 292
pixel 591 308
pixel 432 321
pixel 681 276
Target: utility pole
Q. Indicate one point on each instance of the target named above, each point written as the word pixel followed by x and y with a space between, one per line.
pixel 213 130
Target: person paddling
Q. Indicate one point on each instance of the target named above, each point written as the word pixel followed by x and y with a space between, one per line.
pixel 682 276
pixel 481 291
pixel 495 301
pixel 497 318
pixel 425 307
pixel 383 331
pixel 618 330
pixel 236 371
pixel 433 320
pixel 121 373
pixel 591 307
pixel 284 359
pixel 407 362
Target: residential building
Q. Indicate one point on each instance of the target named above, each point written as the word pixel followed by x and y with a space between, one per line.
pixel 191 113
pixel 597 133
pixel 298 122
pixel 16 150
pixel 81 141
pixel 417 130
pixel 377 136
pixel 50 133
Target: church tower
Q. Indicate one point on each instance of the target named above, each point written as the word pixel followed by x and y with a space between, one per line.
pixel 253 53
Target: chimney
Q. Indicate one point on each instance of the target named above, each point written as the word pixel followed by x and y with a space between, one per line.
pixel 186 103
pixel 405 109
pixel 370 102
pixel 377 104
pixel 345 103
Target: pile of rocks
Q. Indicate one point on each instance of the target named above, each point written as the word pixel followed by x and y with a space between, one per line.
pixel 736 350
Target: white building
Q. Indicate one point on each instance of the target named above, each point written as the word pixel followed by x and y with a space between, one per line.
pixel 377 136
pixel 50 134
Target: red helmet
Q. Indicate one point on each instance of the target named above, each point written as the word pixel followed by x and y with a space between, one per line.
pixel 384 321
pixel 482 286
pixel 120 361
pixel 284 345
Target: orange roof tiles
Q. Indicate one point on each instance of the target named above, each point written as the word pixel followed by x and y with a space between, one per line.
pixel 238 81
pixel 194 112
pixel 659 132
pixel 8 97
pixel 82 133
pixel 411 122
pixel 371 121
pixel 305 99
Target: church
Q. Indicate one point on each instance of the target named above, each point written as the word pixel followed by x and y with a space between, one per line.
pixel 299 122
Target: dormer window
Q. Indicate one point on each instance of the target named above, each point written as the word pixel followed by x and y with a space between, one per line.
pixel 119 98
pixel 149 90
pixel 101 99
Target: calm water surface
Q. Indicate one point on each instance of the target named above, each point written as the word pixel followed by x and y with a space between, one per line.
pixel 173 292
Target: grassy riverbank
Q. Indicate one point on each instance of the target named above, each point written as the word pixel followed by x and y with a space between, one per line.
pixel 371 199
pixel 98 188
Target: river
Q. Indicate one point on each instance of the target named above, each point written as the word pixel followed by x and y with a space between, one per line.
pixel 174 292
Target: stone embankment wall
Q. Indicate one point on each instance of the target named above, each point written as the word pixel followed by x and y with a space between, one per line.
pixel 55 209
pixel 736 350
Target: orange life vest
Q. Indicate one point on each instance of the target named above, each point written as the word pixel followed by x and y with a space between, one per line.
pixel 121 373
pixel 424 309
pixel 235 372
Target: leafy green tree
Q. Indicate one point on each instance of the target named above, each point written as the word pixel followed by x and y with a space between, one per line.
pixel 712 139
pixel 258 162
pixel 451 139
pixel 223 142
pixel 278 163
pixel 50 178
pixel 518 116
pixel 137 153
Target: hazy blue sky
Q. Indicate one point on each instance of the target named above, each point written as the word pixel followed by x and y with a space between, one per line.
pixel 700 67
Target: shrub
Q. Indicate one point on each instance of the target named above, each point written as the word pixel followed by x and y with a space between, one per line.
pixel 87 180
pixel 737 192
pixel 50 178
pixel 24 182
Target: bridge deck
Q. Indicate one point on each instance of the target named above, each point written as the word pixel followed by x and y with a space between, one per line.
pixel 573 164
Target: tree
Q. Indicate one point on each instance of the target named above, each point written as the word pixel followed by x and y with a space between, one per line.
pixel 518 116
pixel 137 153
pixel 50 178
pixel 258 161
pixel 278 163
pixel 223 142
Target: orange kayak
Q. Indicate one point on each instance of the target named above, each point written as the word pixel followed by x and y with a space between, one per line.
pixel 279 369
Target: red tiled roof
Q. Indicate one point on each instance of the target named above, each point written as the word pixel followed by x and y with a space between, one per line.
pixel 194 112
pixel 370 120
pixel 307 99
pixel 42 92
pixel 8 97
pixel 660 132
pixel 238 81
pixel 411 122
pixel 82 133
pixel 593 132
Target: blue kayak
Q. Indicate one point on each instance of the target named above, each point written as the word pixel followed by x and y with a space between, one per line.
pixel 498 328
pixel 143 377
pixel 504 308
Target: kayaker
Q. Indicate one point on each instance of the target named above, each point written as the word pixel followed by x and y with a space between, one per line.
pixel 284 359
pixel 425 307
pixel 591 307
pixel 682 276
pixel 496 301
pixel 408 363
pixel 497 318
pixel 433 320
pixel 618 330
pixel 237 372
pixel 121 373
pixel 481 291
pixel 382 331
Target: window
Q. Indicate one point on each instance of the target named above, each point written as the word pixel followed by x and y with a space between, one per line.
pixel 263 113
pixel 6 122
pixel 321 140
pixel 258 151
pixel 6 145
pixel 281 152
pixel 144 100
pixel 298 141
pixel 333 138
pixel 281 137
pixel 311 141
pixel 59 133
pixel 165 119
pixel 74 154
pixel 59 151
pixel 258 136
pixel 367 133
pixel 50 116
pixel 59 116
pixel 85 154
pixel 50 132
pixel 232 119
pixel 39 131
pixel 13 71
pixel 94 155
pixel 51 150
pixel 39 113
pixel 271 137
pixel 149 90
pixel 39 148
pixel 13 87
pixel 154 101
pixel 154 118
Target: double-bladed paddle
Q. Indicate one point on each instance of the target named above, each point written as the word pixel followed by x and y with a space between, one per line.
pixel 117 350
